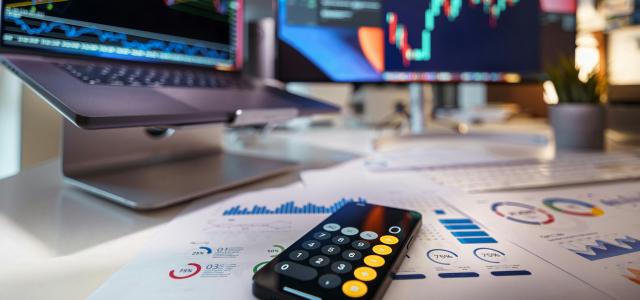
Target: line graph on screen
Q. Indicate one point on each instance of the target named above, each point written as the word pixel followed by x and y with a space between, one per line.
pixel 398 32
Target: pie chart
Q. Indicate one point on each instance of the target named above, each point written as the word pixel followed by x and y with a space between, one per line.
pixel 573 207
pixel 522 213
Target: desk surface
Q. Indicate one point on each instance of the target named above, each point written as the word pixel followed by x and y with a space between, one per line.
pixel 57 242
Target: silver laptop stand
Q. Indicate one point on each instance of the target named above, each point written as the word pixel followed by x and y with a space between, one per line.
pixel 147 168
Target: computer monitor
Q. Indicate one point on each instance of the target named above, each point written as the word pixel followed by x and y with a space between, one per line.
pixel 410 40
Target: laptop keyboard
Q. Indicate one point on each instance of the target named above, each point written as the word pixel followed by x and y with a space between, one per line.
pixel 124 75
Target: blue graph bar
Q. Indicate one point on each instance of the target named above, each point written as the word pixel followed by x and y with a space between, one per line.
pixel 462 227
pixel 408 276
pixel 439 212
pixel 469 233
pixel 459 275
pixel 290 208
pixel 456 221
pixel 511 273
pixel 485 240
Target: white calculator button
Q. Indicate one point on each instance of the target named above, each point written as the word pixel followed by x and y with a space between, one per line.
pixel 331 227
pixel 369 235
pixel 350 231
pixel 395 229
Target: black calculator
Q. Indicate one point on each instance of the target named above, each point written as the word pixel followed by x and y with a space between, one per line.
pixel 350 255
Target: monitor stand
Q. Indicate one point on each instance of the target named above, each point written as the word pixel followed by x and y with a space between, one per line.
pixel 148 168
pixel 417 125
pixel 444 97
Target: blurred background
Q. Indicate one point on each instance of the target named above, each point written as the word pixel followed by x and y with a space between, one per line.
pixel 603 35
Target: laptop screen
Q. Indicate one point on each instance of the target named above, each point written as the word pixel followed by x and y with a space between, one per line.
pixel 195 32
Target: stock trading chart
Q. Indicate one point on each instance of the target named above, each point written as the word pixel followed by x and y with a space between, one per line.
pixel 461 35
pixel 183 31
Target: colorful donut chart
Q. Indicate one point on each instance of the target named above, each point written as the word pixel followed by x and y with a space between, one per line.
pixel 573 207
pixel 522 213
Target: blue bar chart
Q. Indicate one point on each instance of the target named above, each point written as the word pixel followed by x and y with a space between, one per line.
pixel 467 232
pixel 290 207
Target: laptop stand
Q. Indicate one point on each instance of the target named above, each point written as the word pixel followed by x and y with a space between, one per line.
pixel 148 168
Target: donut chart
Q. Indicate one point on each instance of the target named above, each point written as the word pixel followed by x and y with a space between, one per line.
pixel 522 213
pixel 573 207
pixel 188 271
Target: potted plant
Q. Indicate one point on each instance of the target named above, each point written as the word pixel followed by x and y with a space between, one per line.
pixel 578 118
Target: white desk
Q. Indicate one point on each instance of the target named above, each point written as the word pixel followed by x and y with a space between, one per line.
pixel 57 242
pixel 60 243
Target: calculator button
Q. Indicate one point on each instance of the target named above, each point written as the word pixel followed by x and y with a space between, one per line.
pixel 389 239
pixel 321 235
pixel 329 281
pixel 319 261
pixel 382 249
pixel 395 229
pixel 374 261
pixel 351 255
pixel 369 235
pixel 349 231
pixel 299 255
pixel 354 288
pixel 311 244
pixel 331 227
pixel 365 274
pixel 340 240
pixel 341 267
pixel 295 270
pixel 360 245
pixel 330 250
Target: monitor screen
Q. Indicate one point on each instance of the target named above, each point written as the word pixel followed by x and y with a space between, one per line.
pixel 408 40
pixel 196 32
pixel 319 40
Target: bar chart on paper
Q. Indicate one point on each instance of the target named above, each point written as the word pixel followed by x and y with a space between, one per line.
pixel 290 207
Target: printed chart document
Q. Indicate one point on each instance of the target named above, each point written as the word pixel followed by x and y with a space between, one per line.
pixel 212 249
pixel 592 232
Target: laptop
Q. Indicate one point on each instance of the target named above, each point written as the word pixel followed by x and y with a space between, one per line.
pixel 116 63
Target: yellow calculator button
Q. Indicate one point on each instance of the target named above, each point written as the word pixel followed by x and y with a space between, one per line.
pixel 374 261
pixel 365 274
pixel 389 239
pixel 382 249
pixel 354 288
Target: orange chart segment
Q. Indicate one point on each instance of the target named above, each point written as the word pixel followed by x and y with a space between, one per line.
pixel 372 45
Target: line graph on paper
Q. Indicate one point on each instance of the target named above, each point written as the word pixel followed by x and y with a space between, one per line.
pixel 422 34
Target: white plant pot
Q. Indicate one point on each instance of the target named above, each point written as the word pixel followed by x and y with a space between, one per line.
pixel 578 126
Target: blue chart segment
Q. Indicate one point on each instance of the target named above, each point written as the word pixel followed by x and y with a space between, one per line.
pixel 467 232
pixel 416 276
pixel 458 275
pixel 511 273
pixel 605 249
pixel 289 208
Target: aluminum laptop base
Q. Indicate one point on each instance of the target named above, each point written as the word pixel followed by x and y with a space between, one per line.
pixel 145 168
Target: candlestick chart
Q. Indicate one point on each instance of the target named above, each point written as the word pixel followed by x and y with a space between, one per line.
pixel 461 35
